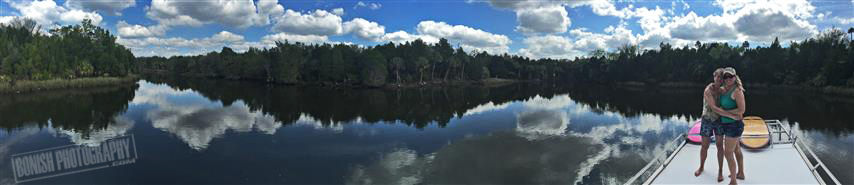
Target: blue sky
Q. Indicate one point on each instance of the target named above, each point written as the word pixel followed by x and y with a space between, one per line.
pixel 533 28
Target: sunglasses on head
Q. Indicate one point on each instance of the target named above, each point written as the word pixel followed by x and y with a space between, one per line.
pixel 728 76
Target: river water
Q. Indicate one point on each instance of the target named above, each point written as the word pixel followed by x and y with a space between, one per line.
pixel 217 131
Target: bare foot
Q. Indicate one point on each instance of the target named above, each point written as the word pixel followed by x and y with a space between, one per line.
pixel 732 182
pixel 720 177
pixel 698 172
pixel 739 176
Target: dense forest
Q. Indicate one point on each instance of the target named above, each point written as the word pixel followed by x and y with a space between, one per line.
pixel 824 60
pixel 69 52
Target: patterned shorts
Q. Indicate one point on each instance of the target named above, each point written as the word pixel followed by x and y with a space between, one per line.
pixel 709 128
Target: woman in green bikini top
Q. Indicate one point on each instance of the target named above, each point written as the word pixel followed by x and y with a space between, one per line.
pixel 732 101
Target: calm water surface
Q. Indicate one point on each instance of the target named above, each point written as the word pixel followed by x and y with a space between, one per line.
pixel 208 131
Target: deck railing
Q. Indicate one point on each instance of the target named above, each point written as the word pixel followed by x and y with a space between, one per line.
pixel 663 159
pixel 800 147
pixel 783 129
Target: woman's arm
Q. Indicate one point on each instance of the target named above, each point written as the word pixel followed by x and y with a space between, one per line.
pixel 738 95
pixel 707 95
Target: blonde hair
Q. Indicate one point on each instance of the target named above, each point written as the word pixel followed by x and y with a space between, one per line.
pixel 718 72
pixel 738 83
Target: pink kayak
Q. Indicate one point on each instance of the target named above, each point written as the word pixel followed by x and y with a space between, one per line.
pixel 694 133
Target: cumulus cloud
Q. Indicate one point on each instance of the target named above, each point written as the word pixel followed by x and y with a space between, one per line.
pixel 283 37
pixel 149 46
pixel 364 29
pixel 319 22
pixel 114 7
pixel 236 13
pixel 552 19
pixel 764 24
pixel 549 46
pixel 218 39
pixel 693 27
pixel 580 43
pixel 372 6
pixel 338 11
pixel 468 38
pixel 47 12
pixel 752 20
pixel 130 31
pixel 403 36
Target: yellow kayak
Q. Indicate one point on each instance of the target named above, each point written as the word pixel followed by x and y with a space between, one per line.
pixel 756 134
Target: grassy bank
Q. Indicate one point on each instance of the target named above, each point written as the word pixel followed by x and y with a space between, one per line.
pixel 42 85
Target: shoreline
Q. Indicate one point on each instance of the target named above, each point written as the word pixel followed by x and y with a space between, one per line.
pixel 828 90
pixel 59 84
pixel 489 82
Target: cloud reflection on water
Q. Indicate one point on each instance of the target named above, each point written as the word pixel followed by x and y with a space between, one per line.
pixel 543 149
pixel 198 120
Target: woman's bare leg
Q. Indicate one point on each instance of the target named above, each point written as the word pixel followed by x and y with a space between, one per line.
pixel 704 150
pixel 719 144
pixel 740 159
pixel 729 148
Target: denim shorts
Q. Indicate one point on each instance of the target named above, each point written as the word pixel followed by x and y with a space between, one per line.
pixel 733 129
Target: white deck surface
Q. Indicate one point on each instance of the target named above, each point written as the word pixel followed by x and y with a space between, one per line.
pixel 778 165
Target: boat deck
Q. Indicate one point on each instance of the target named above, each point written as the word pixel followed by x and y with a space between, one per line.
pixel 785 161
pixel 781 164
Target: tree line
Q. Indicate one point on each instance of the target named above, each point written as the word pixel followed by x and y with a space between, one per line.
pixel 823 60
pixel 826 59
pixel 413 62
pixel 68 52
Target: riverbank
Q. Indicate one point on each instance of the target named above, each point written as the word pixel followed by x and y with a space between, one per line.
pixel 55 84
pixel 830 90
pixel 489 82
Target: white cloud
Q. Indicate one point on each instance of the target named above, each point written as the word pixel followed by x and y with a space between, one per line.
pixel 364 29
pixel 131 31
pixel 693 27
pixel 549 46
pixel 468 38
pixel 114 7
pixel 607 8
pixel 6 19
pixel 763 24
pixel 282 37
pixel 268 9
pixel 220 39
pixel 372 6
pixel 319 22
pixel 551 19
pixel 797 8
pixel 580 43
pixel 236 13
pixel 48 13
pixel 403 37
pixel 338 11
pixel 840 20
pixel 753 20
